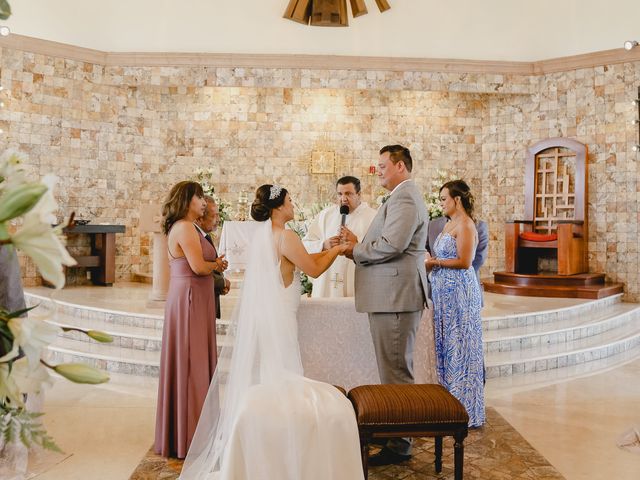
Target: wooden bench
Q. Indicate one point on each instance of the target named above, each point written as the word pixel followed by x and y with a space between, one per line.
pixel 422 410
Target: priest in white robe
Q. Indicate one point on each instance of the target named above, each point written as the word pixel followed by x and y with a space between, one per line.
pixel 324 231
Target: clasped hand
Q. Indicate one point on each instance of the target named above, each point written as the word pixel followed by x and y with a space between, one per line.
pixel 221 264
pixel 430 262
pixel 348 239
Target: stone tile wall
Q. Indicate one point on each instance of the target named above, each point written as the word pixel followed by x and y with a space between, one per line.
pixel 119 137
pixel 593 106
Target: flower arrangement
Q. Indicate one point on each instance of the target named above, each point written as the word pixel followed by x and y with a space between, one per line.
pixel 23 339
pixel 432 198
pixel 204 176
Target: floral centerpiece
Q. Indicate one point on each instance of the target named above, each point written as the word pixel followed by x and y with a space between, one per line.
pixel 204 176
pixel 24 338
pixel 432 198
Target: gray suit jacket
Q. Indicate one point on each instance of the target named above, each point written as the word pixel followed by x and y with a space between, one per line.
pixel 390 274
pixel 482 249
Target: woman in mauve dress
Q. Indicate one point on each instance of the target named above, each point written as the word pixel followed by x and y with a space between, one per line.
pixel 189 353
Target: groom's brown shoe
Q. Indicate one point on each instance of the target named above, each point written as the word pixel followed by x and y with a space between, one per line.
pixel 386 456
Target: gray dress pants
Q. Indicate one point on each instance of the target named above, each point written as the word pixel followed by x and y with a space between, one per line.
pixel 394 335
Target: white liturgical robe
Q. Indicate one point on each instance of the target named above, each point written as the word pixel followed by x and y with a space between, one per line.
pixel 338 280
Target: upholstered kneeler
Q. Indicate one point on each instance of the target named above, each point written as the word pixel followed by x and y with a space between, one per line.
pixel 423 410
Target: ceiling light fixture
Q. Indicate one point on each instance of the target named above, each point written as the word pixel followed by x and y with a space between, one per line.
pixel 629 44
pixel 328 13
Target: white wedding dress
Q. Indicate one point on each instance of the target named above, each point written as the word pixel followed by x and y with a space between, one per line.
pixel 264 420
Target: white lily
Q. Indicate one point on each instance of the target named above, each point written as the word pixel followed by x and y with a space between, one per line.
pixel 12 172
pixel 33 335
pixel 8 388
pixel 42 242
pixel 30 378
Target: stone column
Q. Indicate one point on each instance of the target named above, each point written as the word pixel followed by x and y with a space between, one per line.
pixel 150 222
pixel 160 284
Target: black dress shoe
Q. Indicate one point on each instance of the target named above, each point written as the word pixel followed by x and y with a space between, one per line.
pixel 386 456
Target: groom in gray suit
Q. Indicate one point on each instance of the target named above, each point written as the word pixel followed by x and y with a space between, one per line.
pixel 390 278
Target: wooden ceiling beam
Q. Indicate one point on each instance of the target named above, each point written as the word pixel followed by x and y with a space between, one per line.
pixel 358 8
pixel 383 5
pixel 298 11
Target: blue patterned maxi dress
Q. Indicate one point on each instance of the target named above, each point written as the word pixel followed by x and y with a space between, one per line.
pixel 458 331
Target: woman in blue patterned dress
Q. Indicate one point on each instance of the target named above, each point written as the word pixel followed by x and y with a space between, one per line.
pixel 457 302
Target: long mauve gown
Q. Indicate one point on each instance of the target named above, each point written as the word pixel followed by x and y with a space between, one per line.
pixel 189 354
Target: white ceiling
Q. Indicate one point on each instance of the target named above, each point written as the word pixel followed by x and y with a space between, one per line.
pixel 517 30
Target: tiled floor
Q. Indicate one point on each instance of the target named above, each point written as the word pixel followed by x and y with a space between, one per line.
pixel 495 451
pixel 572 423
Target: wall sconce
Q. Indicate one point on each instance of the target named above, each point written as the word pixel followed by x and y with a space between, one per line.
pixel 4 31
pixel 629 44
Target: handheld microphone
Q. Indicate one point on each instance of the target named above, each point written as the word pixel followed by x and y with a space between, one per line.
pixel 344 211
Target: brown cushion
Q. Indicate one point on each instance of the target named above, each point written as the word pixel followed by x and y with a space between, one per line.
pixel 406 404
pixel 344 392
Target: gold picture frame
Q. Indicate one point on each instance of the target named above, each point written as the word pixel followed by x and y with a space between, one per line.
pixel 323 162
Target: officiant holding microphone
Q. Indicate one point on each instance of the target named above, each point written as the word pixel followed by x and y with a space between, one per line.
pixel 324 231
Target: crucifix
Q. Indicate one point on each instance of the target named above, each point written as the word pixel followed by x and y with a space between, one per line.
pixel 336 280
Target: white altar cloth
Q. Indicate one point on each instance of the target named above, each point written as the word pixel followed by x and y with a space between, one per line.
pixel 234 242
pixel 336 345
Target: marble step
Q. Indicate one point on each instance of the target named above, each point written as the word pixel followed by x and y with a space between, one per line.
pixel 561 331
pixel 125 336
pixel 541 317
pixel 115 317
pixel 111 357
pixel 551 356
pixel 107 320
pixel 533 380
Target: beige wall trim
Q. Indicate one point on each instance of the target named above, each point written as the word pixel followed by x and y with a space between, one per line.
pixel 54 49
pixel 317 62
pixel 587 60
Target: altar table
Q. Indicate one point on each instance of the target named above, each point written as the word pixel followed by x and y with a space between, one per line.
pixel 102 261
pixel 235 240
pixel 336 345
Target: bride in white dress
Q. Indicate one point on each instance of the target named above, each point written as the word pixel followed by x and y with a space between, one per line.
pixel 263 420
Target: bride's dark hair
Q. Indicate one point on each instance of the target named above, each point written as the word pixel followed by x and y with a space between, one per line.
pixel 263 205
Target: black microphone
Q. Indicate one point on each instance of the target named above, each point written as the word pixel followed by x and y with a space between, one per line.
pixel 344 211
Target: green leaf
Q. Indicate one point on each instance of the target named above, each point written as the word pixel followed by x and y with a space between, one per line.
pixel 5 10
pixel 18 424
pixel 6 316
pixel 20 200
pixel 6 341
pixel 4 235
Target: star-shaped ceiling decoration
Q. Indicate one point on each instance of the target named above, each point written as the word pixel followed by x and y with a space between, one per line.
pixel 328 13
